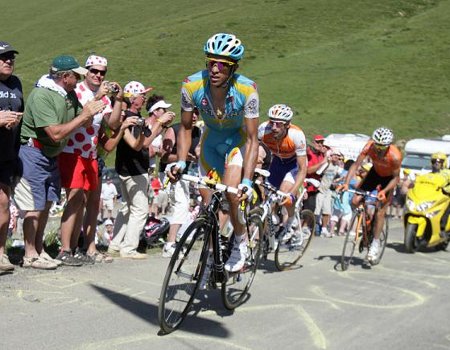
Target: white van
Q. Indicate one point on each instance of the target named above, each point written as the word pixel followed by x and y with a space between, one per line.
pixel 417 156
pixel 350 145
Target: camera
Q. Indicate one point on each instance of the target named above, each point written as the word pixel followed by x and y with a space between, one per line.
pixel 112 87
pixel 140 122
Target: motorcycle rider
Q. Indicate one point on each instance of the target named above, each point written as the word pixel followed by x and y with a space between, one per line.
pixel 438 165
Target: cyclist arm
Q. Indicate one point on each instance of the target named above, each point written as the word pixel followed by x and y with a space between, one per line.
pixel 302 166
pixel 352 171
pixel 251 147
pixel 184 138
pixel 394 181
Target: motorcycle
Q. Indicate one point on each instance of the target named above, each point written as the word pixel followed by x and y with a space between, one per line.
pixel 426 203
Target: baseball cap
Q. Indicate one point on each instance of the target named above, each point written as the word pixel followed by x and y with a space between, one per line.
pixel 6 47
pixel 94 60
pixel 159 104
pixel 134 88
pixel 108 222
pixel 66 63
pixel 318 138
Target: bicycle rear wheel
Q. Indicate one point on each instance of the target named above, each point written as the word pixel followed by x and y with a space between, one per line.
pixel 350 242
pixel 236 285
pixel 183 275
pixel 289 251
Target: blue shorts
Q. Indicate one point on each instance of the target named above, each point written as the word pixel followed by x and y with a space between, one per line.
pixel 40 182
pixel 282 169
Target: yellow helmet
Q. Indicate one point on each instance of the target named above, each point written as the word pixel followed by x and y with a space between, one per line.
pixel 439 156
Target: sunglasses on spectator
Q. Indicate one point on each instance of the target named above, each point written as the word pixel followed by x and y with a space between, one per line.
pixel 221 64
pixel 97 71
pixel 277 123
pixel 434 161
pixel 8 56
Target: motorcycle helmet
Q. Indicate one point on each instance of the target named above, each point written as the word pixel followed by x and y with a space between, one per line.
pixel 438 158
pixel 226 45
pixel 383 136
pixel 280 112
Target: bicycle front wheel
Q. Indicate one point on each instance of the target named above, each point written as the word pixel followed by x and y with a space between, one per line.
pixel 290 250
pixel 236 285
pixel 183 276
pixel 349 243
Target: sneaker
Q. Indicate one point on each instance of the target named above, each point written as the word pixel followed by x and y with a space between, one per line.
pixel 373 250
pixel 168 250
pixel 113 251
pixel 207 272
pixel 100 257
pixel 326 233
pixel 306 232
pixel 38 263
pixel 67 259
pixel 47 257
pixel 133 255
pixel 5 264
pixel 83 257
pixel 237 257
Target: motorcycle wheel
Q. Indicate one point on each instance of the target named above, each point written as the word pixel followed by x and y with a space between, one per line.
pixel 410 238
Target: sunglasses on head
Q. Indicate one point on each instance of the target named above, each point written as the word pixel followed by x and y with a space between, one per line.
pixel 277 123
pixel 220 64
pixel 434 161
pixel 97 71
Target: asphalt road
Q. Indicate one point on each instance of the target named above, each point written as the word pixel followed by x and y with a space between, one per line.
pixel 403 303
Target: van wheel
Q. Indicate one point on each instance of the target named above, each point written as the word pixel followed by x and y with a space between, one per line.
pixel 410 238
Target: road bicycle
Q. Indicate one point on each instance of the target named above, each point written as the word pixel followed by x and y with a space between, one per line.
pixel 288 245
pixel 186 270
pixel 360 231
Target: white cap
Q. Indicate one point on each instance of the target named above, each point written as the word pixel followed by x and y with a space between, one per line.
pixel 108 222
pixel 159 104
pixel 94 60
pixel 134 88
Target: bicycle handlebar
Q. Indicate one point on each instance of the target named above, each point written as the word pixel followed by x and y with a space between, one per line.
pixel 216 186
pixel 363 193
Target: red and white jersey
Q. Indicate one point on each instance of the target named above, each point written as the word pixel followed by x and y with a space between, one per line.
pixel 83 141
pixel 293 144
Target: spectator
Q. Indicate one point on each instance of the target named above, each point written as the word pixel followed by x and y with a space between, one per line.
pixel 155 184
pixel 11 108
pixel 108 196
pixel 180 213
pixel 51 114
pixel 132 163
pixel 79 167
pixel 107 234
pixel 323 198
pixel 316 159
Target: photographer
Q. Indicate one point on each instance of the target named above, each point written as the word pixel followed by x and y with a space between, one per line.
pixel 132 162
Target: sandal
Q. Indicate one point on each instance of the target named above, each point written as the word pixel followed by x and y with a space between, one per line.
pixel 101 257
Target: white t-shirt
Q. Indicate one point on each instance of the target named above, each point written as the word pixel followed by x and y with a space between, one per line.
pixel 109 191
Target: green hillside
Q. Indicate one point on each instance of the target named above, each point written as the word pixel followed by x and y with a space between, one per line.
pixel 343 65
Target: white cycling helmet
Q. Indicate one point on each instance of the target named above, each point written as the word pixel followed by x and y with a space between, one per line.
pixel 226 45
pixel 383 136
pixel 280 112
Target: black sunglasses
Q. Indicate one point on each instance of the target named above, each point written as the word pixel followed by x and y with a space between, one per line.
pixel 96 71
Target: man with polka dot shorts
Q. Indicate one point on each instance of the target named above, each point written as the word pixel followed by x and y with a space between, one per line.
pixel 79 167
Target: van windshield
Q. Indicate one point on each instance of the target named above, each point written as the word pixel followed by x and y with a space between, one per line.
pixel 416 162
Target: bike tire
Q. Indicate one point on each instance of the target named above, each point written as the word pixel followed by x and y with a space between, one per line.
pixel 289 252
pixel 350 243
pixel 183 275
pixel 410 238
pixel 235 286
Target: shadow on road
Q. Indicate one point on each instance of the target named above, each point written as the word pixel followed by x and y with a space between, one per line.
pixel 356 261
pixel 149 312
